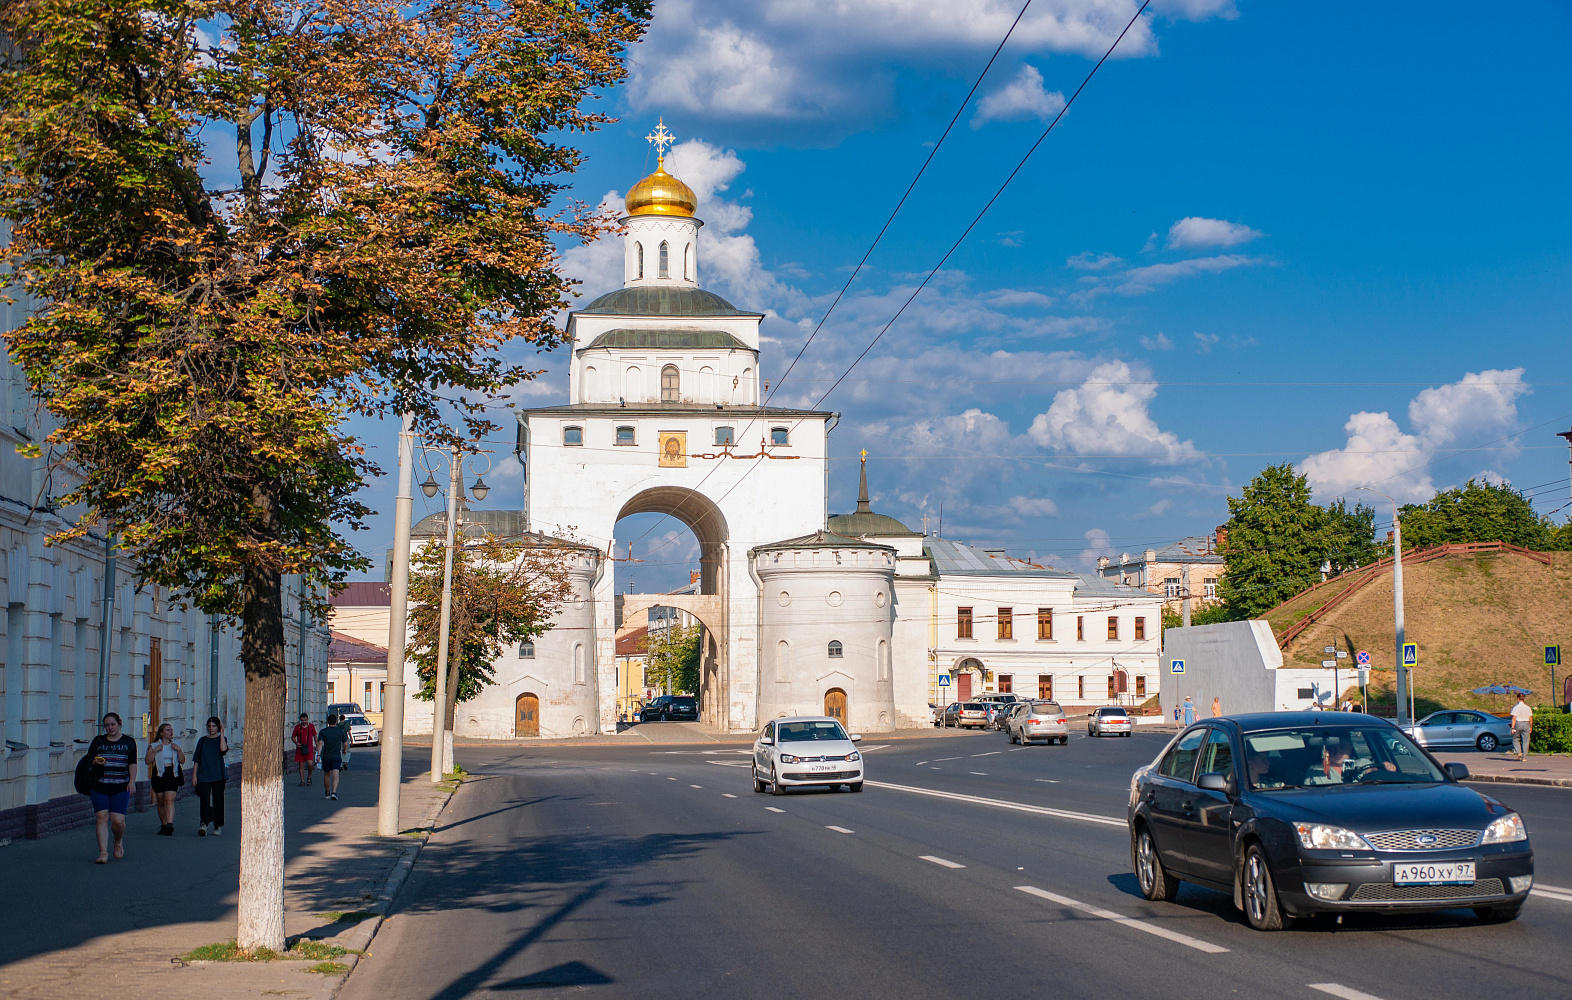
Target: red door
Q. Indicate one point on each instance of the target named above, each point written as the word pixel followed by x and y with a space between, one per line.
pixel 963 687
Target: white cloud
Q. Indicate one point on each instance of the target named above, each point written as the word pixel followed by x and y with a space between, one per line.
pixel 1109 415
pixel 1097 544
pixel 1021 99
pixel 1033 506
pixel 1157 343
pixel 1194 231
pixel 1087 260
pixel 1473 410
pixel 1141 280
pixel 1204 342
pixel 828 60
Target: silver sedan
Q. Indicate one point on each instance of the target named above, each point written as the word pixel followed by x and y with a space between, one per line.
pixel 1461 728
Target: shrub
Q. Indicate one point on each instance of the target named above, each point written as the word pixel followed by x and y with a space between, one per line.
pixel 1552 732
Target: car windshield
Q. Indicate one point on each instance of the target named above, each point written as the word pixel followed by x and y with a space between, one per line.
pixel 973 706
pixel 801 732
pixel 1046 708
pixel 357 720
pixel 684 702
pixel 1112 712
pixel 1335 755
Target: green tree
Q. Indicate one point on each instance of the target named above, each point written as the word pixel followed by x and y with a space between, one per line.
pixel 1278 541
pixel 386 228
pixel 673 658
pixel 1350 536
pixel 1476 512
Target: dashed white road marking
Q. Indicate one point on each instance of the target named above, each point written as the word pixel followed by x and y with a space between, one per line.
pixel 1550 892
pixel 920 763
pixel 1339 990
pixel 981 774
pixel 774 810
pixel 990 753
pixel 1119 918
pixel 671 779
pixel 1051 781
pixel 936 759
pixel 939 861
pixel 840 829
pixel 1003 804
pixel 695 786
pixel 727 795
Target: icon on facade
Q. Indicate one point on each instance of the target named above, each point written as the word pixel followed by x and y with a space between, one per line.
pixel 673 449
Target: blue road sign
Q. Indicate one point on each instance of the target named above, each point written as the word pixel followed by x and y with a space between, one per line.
pixel 1176 666
pixel 1552 655
pixel 944 680
pixel 1410 654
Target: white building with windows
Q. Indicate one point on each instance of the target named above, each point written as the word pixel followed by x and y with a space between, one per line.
pixel 855 616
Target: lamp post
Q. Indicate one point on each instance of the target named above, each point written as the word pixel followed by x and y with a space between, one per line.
pixel 391 776
pixel 441 738
pixel 1403 714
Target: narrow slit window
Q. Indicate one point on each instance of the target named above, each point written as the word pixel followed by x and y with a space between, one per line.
pixel 665 254
pixel 687 263
pixel 638 260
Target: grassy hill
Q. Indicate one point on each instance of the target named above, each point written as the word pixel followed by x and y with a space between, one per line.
pixel 1478 619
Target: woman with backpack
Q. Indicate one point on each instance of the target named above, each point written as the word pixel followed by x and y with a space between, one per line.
pixel 110 761
pixel 167 761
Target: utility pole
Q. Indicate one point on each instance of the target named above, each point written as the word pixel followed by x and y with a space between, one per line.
pixel 1556 696
pixel 398 616
pixel 212 666
pixel 301 648
pixel 106 630
pixel 439 729
pixel 1403 714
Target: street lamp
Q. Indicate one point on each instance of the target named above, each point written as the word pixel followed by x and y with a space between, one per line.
pixel 1403 713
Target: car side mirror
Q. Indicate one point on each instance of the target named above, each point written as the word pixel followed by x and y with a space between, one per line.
pixel 856 737
pixel 1214 782
pixel 766 741
pixel 1458 770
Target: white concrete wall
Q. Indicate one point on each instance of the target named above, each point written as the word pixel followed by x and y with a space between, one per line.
pixel 679 233
pixel 1235 661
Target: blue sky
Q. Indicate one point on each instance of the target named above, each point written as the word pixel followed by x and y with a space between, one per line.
pixel 1332 234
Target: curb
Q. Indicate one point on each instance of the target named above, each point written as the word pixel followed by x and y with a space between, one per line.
pixel 1513 779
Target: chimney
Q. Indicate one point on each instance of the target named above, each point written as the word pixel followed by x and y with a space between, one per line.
pixel 1149 556
pixel 693 576
pixel 1102 562
pixel 1221 534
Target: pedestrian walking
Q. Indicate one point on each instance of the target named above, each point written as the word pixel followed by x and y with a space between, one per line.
pixel 305 737
pixel 114 761
pixel 167 761
pixel 208 759
pixel 332 743
pixel 1522 727
pixel 1189 711
pixel 1217 707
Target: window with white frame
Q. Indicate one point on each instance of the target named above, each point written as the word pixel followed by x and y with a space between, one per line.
pixel 1210 587
pixel 1171 587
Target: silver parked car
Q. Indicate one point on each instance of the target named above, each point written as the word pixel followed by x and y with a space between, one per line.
pixel 1038 720
pixel 1110 722
pixel 805 752
pixel 1461 728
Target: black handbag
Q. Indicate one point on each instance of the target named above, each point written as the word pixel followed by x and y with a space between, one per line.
pixel 87 773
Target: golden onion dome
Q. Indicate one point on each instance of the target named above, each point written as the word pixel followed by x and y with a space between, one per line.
pixel 661 194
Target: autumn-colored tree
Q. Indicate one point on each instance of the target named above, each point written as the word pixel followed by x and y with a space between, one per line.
pixel 503 593
pixel 252 219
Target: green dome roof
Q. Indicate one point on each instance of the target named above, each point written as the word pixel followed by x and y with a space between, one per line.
pixel 662 300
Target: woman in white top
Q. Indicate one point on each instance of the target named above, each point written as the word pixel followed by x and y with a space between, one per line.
pixel 167 762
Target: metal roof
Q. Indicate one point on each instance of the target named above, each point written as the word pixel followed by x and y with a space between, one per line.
pixel 1195 549
pixel 674 338
pixel 823 540
pixel 959 559
pixel 871 524
pixel 657 409
pixel 662 300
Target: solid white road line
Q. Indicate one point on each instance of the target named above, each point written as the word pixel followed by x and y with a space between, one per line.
pixel 1552 888
pixel 1002 804
pixel 774 810
pixel 1119 918
pixel 1561 895
pixel 727 795
pixel 840 829
pixel 939 861
pixel 1339 990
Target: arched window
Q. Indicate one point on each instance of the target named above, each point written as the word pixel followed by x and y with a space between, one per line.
pixel 638 260
pixel 687 262
pixel 882 668
pixel 670 385
pixel 526 650
pixel 665 254
pixel 835 649
pixel 579 674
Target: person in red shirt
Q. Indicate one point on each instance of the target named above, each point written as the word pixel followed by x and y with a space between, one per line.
pixel 305 737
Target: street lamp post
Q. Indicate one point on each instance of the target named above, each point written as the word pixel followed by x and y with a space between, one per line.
pixel 1397 608
pixel 398 623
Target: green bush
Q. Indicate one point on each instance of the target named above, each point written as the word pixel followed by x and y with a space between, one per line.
pixel 1552 732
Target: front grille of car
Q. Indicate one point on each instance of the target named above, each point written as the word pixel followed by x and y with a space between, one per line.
pixel 1410 840
pixel 1385 891
pixel 821 776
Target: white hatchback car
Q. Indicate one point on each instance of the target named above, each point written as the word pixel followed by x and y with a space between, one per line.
pixel 811 751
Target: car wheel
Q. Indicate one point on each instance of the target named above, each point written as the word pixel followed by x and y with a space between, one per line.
pixel 758 786
pixel 1064 741
pixel 1487 742
pixel 775 784
pixel 1155 881
pixel 1260 894
pixel 1129 733
pixel 1498 914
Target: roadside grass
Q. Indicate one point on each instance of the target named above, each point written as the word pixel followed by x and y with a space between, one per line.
pixel 346 917
pixel 229 951
pixel 329 968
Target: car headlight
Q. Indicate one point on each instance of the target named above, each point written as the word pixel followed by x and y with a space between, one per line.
pixel 854 755
pixel 1505 830
pixel 787 758
pixel 1320 837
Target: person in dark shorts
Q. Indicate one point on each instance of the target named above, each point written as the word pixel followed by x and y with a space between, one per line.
pixel 167 761
pixel 208 759
pixel 332 742
pixel 305 737
pixel 114 758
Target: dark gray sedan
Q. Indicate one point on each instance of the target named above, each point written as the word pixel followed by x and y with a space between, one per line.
pixel 1461 728
pixel 1297 813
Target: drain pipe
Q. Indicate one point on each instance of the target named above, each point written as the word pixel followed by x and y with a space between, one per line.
pixel 758 635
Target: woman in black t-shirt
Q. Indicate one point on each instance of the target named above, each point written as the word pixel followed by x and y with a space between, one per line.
pixel 114 762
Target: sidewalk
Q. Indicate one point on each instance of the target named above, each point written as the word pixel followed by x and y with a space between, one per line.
pixel 1538 769
pixel 77 930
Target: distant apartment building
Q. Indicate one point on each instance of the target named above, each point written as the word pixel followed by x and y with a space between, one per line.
pixel 1163 571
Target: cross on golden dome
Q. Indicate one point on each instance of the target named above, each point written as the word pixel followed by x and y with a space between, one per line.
pixel 660 138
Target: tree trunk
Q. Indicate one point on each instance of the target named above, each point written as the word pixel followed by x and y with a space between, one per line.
pixel 455 659
pixel 261 923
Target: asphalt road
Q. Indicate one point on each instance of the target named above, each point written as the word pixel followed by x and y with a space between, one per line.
pixel 658 872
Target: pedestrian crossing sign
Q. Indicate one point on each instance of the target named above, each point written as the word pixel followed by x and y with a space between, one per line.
pixel 1552 655
pixel 1410 654
pixel 944 680
pixel 1176 666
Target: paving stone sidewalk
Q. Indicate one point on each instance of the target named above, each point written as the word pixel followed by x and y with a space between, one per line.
pixel 1538 769
pixel 74 930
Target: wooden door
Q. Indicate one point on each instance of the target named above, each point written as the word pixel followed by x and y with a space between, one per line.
pixel 835 705
pixel 963 687
pixel 526 710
